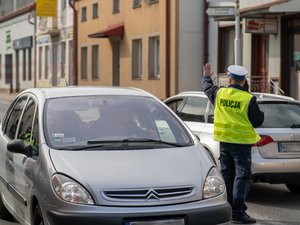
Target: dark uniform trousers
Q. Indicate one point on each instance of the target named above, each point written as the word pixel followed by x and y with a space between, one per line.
pixel 236 171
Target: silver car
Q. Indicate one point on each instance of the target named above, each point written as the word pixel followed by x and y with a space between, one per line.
pixel 104 155
pixel 276 157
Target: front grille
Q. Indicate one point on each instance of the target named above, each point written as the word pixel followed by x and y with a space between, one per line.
pixel 148 194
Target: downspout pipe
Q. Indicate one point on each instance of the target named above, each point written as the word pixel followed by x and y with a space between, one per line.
pixel 168 43
pixel 205 36
pixel 75 41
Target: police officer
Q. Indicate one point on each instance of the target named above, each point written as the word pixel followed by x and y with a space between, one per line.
pixel 236 114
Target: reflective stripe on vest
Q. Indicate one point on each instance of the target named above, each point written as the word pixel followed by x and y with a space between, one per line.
pixel 231 122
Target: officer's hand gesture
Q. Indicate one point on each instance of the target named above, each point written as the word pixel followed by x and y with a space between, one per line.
pixel 207 70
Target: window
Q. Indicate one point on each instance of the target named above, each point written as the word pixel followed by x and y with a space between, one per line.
pixel 83 14
pixel 174 105
pixel 71 62
pixel 136 4
pixel 35 136
pixel 25 128
pixel 137 58
pixel 29 65
pixel 226 49
pixel 154 57
pixel 14 117
pixel 116 6
pixel 194 109
pixel 95 10
pixel 24 64
pixel 46 62
pixel 63 59
pixel 153 1
pixel 83 60
pixel 40 57
pixel 95 62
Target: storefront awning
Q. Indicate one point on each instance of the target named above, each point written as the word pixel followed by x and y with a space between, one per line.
pixel 116 30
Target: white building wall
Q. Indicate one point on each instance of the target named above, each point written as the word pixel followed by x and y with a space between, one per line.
pixel 19 27
pixel 191 36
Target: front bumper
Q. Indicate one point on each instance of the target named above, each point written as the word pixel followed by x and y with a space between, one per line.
pixel 193 214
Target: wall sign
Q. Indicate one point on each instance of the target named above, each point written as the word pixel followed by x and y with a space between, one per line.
pixel 261 26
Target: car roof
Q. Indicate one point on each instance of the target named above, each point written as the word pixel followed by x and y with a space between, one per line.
pixel 259 95
pixel 69 91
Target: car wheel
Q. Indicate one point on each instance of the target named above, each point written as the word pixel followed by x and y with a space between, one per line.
pixel 4 213
pixel 294 188
pixel 38 216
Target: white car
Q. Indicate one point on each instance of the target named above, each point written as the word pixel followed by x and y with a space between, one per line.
pixel 276 157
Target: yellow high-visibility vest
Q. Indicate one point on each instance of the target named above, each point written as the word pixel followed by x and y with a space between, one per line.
pixel 231 122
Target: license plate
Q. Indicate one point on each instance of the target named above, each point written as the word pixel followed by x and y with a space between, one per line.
pixel 288 147
pixel 158 222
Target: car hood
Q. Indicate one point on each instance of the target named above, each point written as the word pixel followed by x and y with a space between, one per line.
pixel 134 169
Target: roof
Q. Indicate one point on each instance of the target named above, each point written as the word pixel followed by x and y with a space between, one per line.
pixel 260 96
pixel 86 91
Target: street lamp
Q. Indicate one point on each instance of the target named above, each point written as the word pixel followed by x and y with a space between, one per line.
pixel 237 40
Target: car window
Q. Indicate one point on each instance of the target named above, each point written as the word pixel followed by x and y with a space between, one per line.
pixel 26 125
pixel 175 105
pixel 14 117
pixel 79 120
pixel 194 109
pixel 35 136
pixel 280 115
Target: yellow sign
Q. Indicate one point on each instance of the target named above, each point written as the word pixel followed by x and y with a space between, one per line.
pixel 46 7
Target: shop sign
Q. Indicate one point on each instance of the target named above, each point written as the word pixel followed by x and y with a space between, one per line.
pixel 46 8
pixel 261 26
pixel 8 40
pixel 21 43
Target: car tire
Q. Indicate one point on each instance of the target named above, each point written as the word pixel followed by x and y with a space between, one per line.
pixel 38 216
pixel 293 187
pixel 4 213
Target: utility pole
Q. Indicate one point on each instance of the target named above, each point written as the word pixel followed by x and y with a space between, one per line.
pixel 237 40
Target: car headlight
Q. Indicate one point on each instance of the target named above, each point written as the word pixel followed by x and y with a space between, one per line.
pixel 70 191
pixel 214 184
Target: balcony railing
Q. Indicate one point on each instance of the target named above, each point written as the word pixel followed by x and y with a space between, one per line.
pixel 48 25
pixel 256 84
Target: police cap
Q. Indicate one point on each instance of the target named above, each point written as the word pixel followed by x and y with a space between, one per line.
pixel 237 72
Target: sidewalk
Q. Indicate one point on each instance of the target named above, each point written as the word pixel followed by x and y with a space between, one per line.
pixel 7 97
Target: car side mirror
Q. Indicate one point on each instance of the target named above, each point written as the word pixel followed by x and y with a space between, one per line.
pixel 17 146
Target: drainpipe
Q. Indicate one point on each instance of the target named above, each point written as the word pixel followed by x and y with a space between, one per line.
pixel 168 43
pixel 205 36
pixel 75 41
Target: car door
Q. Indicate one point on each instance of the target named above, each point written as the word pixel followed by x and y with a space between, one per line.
pixel 27 133
pixel 8 132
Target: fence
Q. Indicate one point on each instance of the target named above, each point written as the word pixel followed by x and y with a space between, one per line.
pixel 262 84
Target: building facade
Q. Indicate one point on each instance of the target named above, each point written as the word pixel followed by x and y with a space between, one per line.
pixel 54 47
pixel 154 45
pixel 17 61
pixel 270 37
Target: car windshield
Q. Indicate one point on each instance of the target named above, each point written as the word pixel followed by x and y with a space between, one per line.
pixel 104 122
pixel 280 115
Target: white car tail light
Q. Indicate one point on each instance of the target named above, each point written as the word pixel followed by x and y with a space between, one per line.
pixel 265 139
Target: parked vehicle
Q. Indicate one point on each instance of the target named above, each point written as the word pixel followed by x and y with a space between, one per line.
pixel 276 157
pixel 104 155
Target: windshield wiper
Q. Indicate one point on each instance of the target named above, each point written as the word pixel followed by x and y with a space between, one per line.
pixel 105 143
pixel 135 140
pixel 147 140
pixel 295 126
